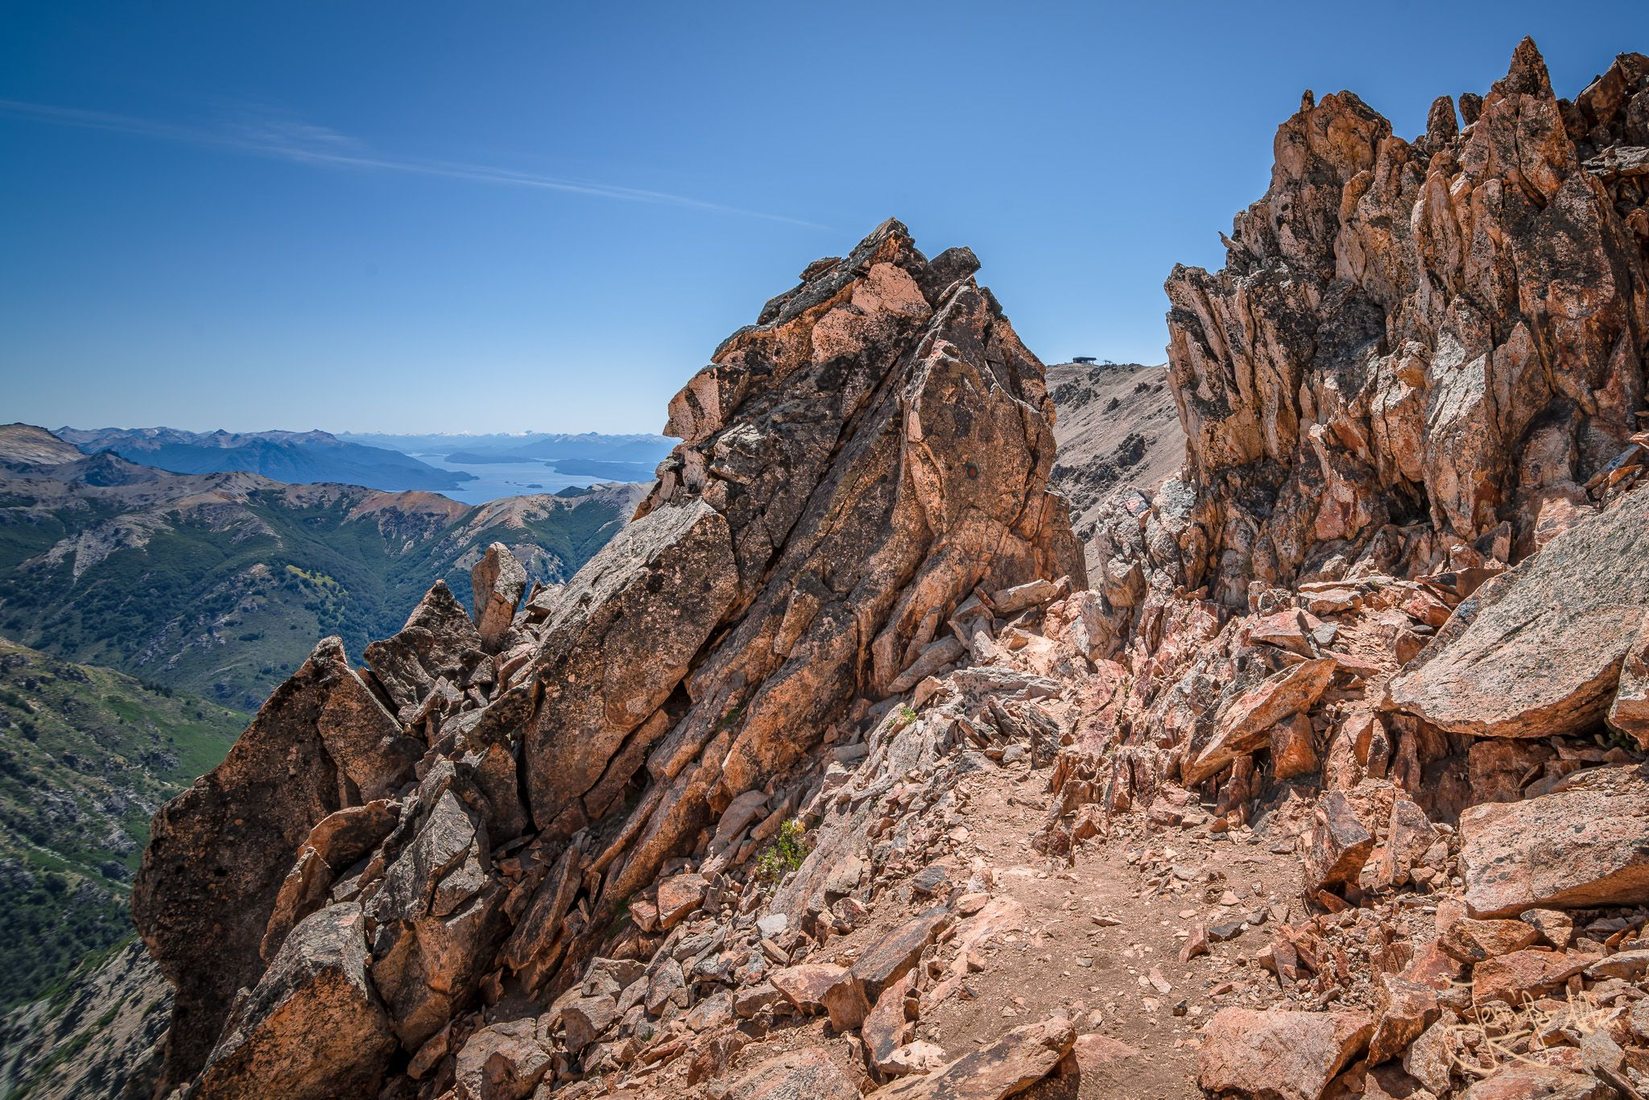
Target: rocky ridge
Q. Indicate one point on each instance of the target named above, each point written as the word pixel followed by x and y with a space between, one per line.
pixel 401 860
pixel 1331 785
pixel 1390 614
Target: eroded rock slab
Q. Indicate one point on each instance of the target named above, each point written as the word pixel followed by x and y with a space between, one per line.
pixel 1585 844
pixel 1538 651
pixel 313 1022
pixel 1279 1054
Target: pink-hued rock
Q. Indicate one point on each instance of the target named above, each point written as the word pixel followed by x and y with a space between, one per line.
pixel 1245 725
pixel 1538 651
pixel 1532 1081
pixel 1526 973
pixel 1279 1054
pixel 1008 1066
pixel 1581 845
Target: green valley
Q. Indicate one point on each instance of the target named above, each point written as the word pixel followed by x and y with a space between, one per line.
pixel 86 757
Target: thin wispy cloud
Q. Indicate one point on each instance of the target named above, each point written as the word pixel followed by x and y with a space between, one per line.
pixel 305 143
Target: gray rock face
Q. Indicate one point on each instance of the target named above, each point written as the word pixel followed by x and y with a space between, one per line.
pixel 1538 651
pixel 313 1023
pixel 854 468
pixel 498 581
pixel 220 851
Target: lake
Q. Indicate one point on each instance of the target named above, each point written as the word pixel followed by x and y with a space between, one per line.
pixel 505 479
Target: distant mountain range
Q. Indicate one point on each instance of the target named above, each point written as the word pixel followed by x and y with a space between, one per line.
pixel 299 458
pixel 646 450
pixel 219 583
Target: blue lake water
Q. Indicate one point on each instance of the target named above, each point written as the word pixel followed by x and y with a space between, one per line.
pixel 505 479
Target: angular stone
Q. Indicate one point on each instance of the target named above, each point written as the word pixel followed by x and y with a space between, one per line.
pixel 1532 1081
pixel 1245 724
pixel 497 581
pixel 1629 966
pixel 678 896
pixel 1006 1067
pixel 1538 651
pixel 1629 710
pixel 886 960
pixel 1473 941
pixel 1582 845
pixel 612 651
pixel 1405 1009
pixel 313 1017
pixel 1430 1058
pixel 846 1003
pixel 503 1061
pixel 1279 1054
pixel 1293 748
pixel 756 999
pixel 1340 842
pixel 807 985
pixel 437 641
pixel 1529 972
pixel 1555 926
pixel 887 1027
pixel 918 1057
pixel 587 1018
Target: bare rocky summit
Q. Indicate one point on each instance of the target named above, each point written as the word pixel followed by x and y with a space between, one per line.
pixel 468 819
pixel 1117 429
pixel 837 773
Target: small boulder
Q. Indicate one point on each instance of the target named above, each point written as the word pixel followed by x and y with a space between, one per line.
pixel 314 1014
pixel 1529 972
pixel 1245 724
pixel 1279 1055
pixel 1006 1067
pixel 887 960
pixel 1340 842
pixel 678 896
pixel 503 1061
pixel 1582 845
pixel 1532 1081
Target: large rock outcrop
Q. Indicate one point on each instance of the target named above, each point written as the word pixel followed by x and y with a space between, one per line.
pixel 1419 354
pixel 858 470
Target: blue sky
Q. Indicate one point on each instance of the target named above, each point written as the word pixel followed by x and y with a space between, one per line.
pixel 512 216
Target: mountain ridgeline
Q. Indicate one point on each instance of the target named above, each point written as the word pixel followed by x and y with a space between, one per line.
pixel 217 584
pixel 846 770
pixel 300 458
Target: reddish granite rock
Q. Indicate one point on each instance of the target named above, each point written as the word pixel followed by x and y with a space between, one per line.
pixel 1008 1066
pixel 1244 726
pixel 1475 940
pixel 1279 1054
pixel 1581 845
pixel 1529 972
pixel 1538 651
pixel 1532 1081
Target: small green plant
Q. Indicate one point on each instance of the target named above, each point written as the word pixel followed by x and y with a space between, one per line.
pixel 905 714
pixel 784 855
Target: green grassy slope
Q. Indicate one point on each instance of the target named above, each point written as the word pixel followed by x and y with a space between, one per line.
pixel 226 610
pixel 86 756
